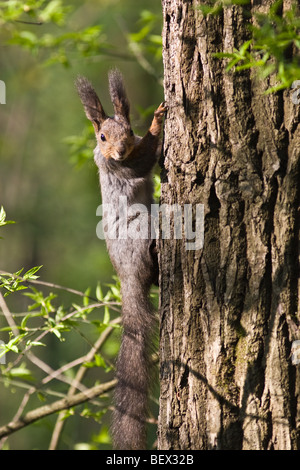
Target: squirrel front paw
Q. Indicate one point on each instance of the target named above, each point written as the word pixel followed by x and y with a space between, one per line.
pixel 160 111
pixel 155 127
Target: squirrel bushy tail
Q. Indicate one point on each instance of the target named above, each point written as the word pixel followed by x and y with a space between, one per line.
pixel 133 367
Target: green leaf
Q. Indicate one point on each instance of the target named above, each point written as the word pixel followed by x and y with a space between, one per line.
pixel 99 293
pixel 99 361
pixel 86 299
pixel 56 332
pixel 138 37
pixel 106 318
pixel 34 343
pixel 156 39
pixel 147 16
pixel 68 413
pixel 24 321
pixel 60 314
pixel 211 10
pixel 103 437
pixel 31 273
pixel 12 344
pixel 21 373
pixel 18 273
pixel 3 217
pixel 244 47
pixel 232 63
pixel 115 291
pixel 41 396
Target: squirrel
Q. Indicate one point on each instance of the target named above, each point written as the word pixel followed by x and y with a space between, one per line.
pixel 125 162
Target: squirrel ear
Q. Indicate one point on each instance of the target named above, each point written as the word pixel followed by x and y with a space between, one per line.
pixel 118 94
pixel 91 103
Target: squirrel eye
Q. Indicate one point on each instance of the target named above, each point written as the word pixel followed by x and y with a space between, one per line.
pixel 102 137
pixel 131 132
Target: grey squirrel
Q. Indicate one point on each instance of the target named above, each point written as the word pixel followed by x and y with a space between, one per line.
pixel 125 162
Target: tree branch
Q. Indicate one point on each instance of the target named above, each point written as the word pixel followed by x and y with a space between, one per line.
pixel 8 315
pixel 58 405
pixel 39 23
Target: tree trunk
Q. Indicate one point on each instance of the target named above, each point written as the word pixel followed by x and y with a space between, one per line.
pixel 228 312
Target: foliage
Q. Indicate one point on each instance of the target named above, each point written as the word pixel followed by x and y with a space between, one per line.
pixel 85 43
pixel 46 317
pixel 33 11
pixel 81 146
pixel 273 36
pixel 145 44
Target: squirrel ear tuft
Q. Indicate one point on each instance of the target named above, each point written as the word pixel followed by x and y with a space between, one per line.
pixel 91 103
pixel 118 94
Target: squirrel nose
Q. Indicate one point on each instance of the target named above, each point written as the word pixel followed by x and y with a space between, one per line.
pixel 122 150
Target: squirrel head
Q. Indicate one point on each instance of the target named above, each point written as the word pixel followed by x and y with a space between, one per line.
pixel 114 134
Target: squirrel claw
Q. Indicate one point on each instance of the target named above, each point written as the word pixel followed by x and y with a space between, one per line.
pixel 161 110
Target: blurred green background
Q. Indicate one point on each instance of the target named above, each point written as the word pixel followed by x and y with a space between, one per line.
pixel 48 180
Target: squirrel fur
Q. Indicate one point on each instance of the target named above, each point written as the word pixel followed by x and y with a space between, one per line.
pixel 125 162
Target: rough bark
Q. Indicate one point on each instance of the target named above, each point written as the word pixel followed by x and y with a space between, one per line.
pixel 228 312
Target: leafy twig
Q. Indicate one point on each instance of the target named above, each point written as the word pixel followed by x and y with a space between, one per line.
pixel 79 376
pixel 59 405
